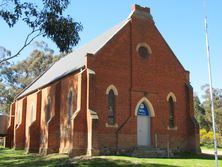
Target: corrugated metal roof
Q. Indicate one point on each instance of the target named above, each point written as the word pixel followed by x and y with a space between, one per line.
pixel 72 61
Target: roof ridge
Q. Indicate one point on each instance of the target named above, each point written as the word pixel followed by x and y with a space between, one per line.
pixel 72 61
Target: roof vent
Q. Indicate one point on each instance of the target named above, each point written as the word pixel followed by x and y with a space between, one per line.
pixel 140 12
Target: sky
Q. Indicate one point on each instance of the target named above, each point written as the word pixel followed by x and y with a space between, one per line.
pixel 181 23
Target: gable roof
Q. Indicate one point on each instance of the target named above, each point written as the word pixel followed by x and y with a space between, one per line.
pixel 72 61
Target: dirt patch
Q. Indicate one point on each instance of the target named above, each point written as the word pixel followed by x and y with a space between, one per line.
pixel 211 152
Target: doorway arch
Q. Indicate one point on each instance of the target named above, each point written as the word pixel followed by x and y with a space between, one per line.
pixel 144 111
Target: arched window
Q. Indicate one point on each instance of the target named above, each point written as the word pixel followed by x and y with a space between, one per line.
pixel 143 110
pixel 171 112
pixel 19 116
pixel 70 106
pixel 111 107
pixel 48 110
pixel 32 113
pixel 144 103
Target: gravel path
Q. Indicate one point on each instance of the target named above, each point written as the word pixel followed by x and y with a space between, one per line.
pixel 211 152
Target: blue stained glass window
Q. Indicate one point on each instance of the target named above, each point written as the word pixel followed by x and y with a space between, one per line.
pixel 143 110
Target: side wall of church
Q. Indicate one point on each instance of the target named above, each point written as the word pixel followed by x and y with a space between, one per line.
pixel 46 123
pixel 20 123
pixel 33 115
pixel 10 137
pixel 73 126
pixel 50 116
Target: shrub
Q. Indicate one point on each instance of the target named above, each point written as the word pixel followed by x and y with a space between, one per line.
pixel 207 138
pixel 203 132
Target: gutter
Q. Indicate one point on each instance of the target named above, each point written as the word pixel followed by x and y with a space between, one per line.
pixel 45 85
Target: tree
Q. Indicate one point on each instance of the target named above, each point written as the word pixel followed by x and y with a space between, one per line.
pixel 217 96
pixel 45 19
pixel 200 115
pixel 15 77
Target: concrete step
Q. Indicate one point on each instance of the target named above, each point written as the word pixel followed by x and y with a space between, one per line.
pixel 144 152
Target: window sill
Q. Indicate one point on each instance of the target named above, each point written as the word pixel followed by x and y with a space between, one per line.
pixel 112 126
pixel 174 128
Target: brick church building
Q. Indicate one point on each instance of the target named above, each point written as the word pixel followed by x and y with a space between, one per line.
pixel 123 90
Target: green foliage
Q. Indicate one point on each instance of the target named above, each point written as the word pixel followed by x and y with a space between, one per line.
pixel 18 158
pixel 207 138
pixel 15 77
pixel 203 113
pixel 11 158
pixel 45 19
pixel 199 113
pixel 218 119
pixel 217 97
pixel 203 132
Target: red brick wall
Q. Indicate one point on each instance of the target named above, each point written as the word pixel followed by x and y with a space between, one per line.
pixel 20 123
pixel 49 134
pixel 80 125
pixel 112 66
pixel 118 63
pixel 73 137
pixel 10 137
pixel 54 126
pixel 53 136
pixel 33 122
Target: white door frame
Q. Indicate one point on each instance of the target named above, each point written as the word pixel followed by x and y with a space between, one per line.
pixel 144 127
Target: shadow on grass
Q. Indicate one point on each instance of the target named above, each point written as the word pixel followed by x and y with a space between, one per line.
pixel 33 162
pixel 11 158
pixel 18 158
pixel 95 162
pixel 100 162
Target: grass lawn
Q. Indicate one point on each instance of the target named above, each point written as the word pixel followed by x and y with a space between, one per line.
pixel 12 158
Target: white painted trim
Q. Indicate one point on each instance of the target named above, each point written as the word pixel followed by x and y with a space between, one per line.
pixel 19 114
pixel 19 121
pixel 91 71
pixel 148 103
pixel 75 114
pixel 111 126
pixel 33 118
pixel 93 114
pixel 144 44
pixel 78 96
pixel 67 102
pixel 171 94
pixel 113 88
pixel 174 128
pixel 50 110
